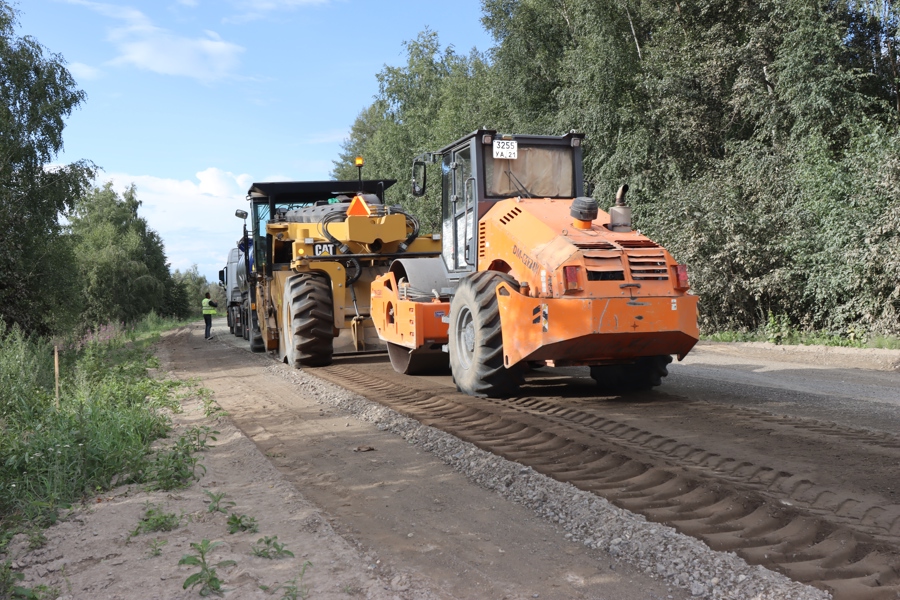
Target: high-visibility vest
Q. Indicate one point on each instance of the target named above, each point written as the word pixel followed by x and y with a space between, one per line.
pixel 207 309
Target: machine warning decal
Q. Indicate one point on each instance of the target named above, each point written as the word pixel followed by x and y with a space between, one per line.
pixel 541 315
pixel 439 313
pixel 674 303
pixel 323 249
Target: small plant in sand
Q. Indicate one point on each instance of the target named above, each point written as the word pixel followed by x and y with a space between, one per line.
pixel 215 502
pixel 211 408
pixel 206 577
pixel 238 523
pixel 293 588
pixel 156 545
pixel 36 539
pixel 175 467
pixel 269 547
pixel 156 519
pixel 200 436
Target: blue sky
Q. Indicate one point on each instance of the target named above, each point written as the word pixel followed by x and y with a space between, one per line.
pixel 193 100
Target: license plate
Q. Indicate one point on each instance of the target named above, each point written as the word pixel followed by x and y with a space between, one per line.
pixel 506 149
pixel 323 249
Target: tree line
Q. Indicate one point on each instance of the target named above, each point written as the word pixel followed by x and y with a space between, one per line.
pixel 760 139
pixel 74 256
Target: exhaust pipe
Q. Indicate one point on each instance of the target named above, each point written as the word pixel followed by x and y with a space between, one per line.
pixel 620 214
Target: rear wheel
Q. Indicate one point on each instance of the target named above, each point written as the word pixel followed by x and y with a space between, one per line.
pixel 245 329
pixel 308 321
pixel 644 374
pixel 476 338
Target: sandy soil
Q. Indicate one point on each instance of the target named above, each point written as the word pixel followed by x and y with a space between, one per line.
pixel 375 516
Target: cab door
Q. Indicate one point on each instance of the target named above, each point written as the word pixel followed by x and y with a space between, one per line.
pixel 459 204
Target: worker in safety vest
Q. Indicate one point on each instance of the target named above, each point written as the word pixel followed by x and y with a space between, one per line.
pixel 209 309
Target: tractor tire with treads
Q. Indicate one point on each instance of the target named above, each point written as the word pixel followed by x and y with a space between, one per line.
pixel 476 338
pixel 308 321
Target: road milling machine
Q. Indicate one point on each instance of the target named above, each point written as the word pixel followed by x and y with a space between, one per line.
pixel 316 247
pixel 531 273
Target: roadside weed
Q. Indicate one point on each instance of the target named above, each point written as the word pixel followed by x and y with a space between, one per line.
pixel 174 467
pixel 156 545
pixel 36 539
pixel 155 519
pixel 215 500
pixel 293 588
pixel 211 408
pixel 238 523
pixel 199 436
pixel 206 577
pixel 268 547
pixel 9 580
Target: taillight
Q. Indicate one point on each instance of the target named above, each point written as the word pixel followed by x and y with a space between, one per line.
pixel 681 277
pixel 570 278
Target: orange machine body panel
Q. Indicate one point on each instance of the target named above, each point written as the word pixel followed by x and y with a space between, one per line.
pixel 587 296
pixel 407 323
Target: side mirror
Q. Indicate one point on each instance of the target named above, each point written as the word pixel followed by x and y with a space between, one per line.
pixel 240 214
pixel 418 173
pixel 222 276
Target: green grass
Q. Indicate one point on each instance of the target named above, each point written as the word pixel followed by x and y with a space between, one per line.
pixel 779 330
pixel 97 434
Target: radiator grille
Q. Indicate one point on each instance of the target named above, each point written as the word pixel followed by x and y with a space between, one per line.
pixel 637 244
pixel 648 266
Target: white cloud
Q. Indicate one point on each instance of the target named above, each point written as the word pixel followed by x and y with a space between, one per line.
pixel 190 3
pixel 143 45
pixel 84 72
pixel 195 218
pixel 258 9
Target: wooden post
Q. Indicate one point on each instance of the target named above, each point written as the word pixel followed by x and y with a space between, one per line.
pixel 56 368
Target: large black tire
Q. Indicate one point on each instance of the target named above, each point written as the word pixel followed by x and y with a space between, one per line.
pixel 476 338
pixel 645 373
pixel 308 321
pixel 245 330
pixel 229 316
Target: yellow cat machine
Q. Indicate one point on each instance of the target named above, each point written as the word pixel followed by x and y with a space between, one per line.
pixel 316 248
pixel 532 273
